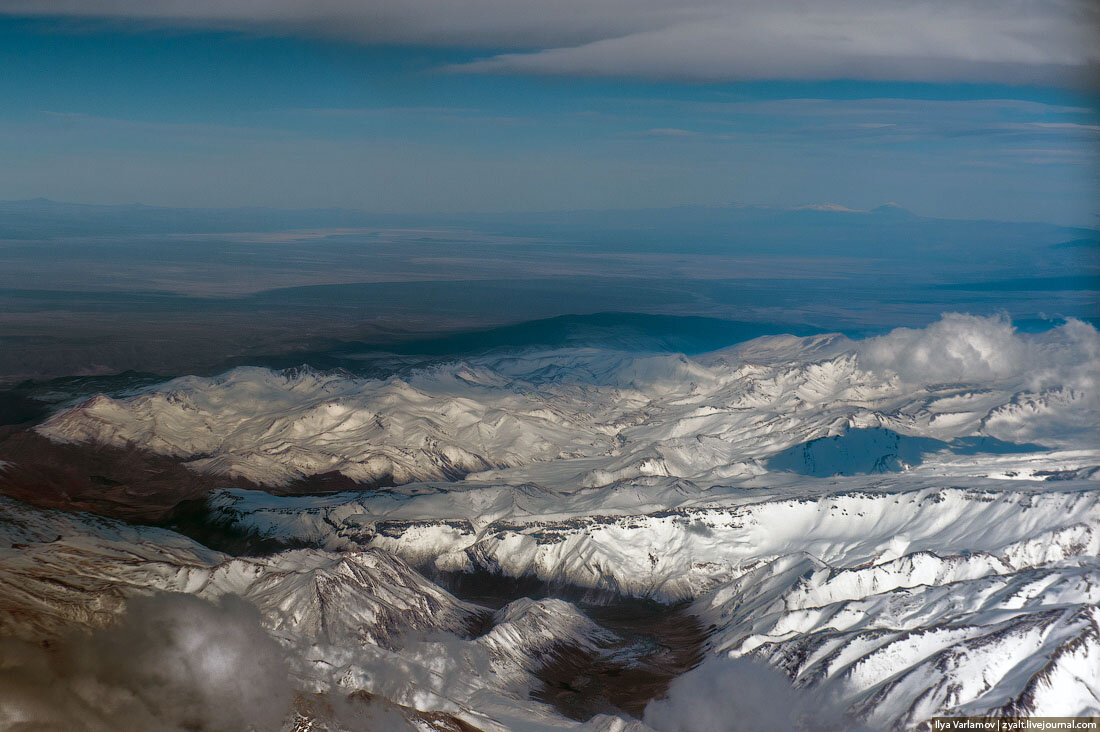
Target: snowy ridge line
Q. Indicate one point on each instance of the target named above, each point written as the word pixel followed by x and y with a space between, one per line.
pixel 681 549
pixel 322 596
pixel 591 418
pixel 982 645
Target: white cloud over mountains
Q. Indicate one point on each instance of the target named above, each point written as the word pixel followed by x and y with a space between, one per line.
pixel 1043 41
pixel 961 347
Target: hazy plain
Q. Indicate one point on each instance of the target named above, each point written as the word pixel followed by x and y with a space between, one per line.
pixel 88 290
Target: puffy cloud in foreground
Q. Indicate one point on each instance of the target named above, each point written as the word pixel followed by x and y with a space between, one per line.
pixel 172 662
pixel 736 695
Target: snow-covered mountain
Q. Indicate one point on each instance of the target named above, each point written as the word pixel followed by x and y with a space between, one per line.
pixel 347 623
pixel 369 596
pixel 902 599
pixel 905 526
pixel 840 591
pixel 592 418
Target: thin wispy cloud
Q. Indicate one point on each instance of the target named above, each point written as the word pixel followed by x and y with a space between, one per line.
pixel 1044 41
pixel 1065 126
pixel 882 119
pixel 670 132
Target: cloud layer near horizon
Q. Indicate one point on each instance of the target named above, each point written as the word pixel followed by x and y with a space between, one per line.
pixel 1045 41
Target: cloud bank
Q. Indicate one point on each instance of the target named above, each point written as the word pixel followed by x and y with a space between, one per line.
pixel 974 348
pixel 1044 41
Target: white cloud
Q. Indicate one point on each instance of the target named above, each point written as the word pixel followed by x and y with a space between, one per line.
pixel 973 348
pixel 172 663
pixel 736 695
pixel 1051 41
pixel 670 132
pixel 1059 367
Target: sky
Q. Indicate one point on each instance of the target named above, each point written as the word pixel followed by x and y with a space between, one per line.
pixel 972 109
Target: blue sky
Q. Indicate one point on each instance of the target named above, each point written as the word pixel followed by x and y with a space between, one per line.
pixel 201 111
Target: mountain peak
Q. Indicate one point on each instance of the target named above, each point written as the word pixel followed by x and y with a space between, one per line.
pixel 892 209
pixel 828 207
